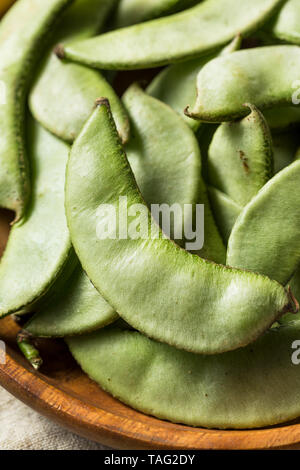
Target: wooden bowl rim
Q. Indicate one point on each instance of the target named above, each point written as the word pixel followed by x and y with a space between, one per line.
pixel 112 429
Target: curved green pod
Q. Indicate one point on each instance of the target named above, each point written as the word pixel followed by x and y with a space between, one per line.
pixel 286 26
pixel 264 76
pixel 131 12
pixel 19 51
pixel 79 309
pixel 165 158
pixel 166 162
pixel 176 84
pixel 252 387
pixel 240 157
pixel 225 210
pixel 157 287
pixel 39 255
pixel 240 162
pixel 260 241
pixel 191 33
pixel 63 94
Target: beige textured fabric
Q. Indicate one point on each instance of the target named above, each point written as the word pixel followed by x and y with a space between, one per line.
pixel 21 428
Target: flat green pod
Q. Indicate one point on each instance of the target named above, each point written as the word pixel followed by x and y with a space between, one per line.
pixel 264 76
pixel 176 84
pixel 225 211
pixel 286 26
pixel 260 240
pixel 39 251
pixel 79 309
pixel 165 158
pixel 51 99
pixel 131 12
pixel 156 287
pixel 19 52
pixel 166 161
pixel 191 33
pixel 233 190
pixel 240 157
pixel 285 147
pixel 253 387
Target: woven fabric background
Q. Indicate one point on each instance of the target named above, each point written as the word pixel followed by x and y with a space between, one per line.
pixel 22 428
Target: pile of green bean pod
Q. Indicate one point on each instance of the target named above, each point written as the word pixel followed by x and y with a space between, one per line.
pixel 92 156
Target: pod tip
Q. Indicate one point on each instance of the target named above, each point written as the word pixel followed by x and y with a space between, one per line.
pixel 251 106
pixel 102 101
pixel 59 51
pixel 187 111
pixel 18 215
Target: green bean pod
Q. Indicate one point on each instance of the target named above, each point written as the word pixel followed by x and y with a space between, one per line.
pixel 78 310
pixel 22 39
pixel 261 240
pixel 131 12
pixel 39 256
pixel 265 76
pixel 176 84
pixel 166 162
pixel 240 159
pixel 191 33
pixel 286 26
pixel 52 97
pixel 252 387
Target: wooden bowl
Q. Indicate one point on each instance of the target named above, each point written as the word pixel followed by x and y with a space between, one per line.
pixel 61 391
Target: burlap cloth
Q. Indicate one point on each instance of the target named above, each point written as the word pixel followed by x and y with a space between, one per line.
pixel 22 428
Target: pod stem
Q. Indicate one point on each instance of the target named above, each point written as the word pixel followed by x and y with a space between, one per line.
pixel 30 352
pixel 102 101
pixel 59 51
